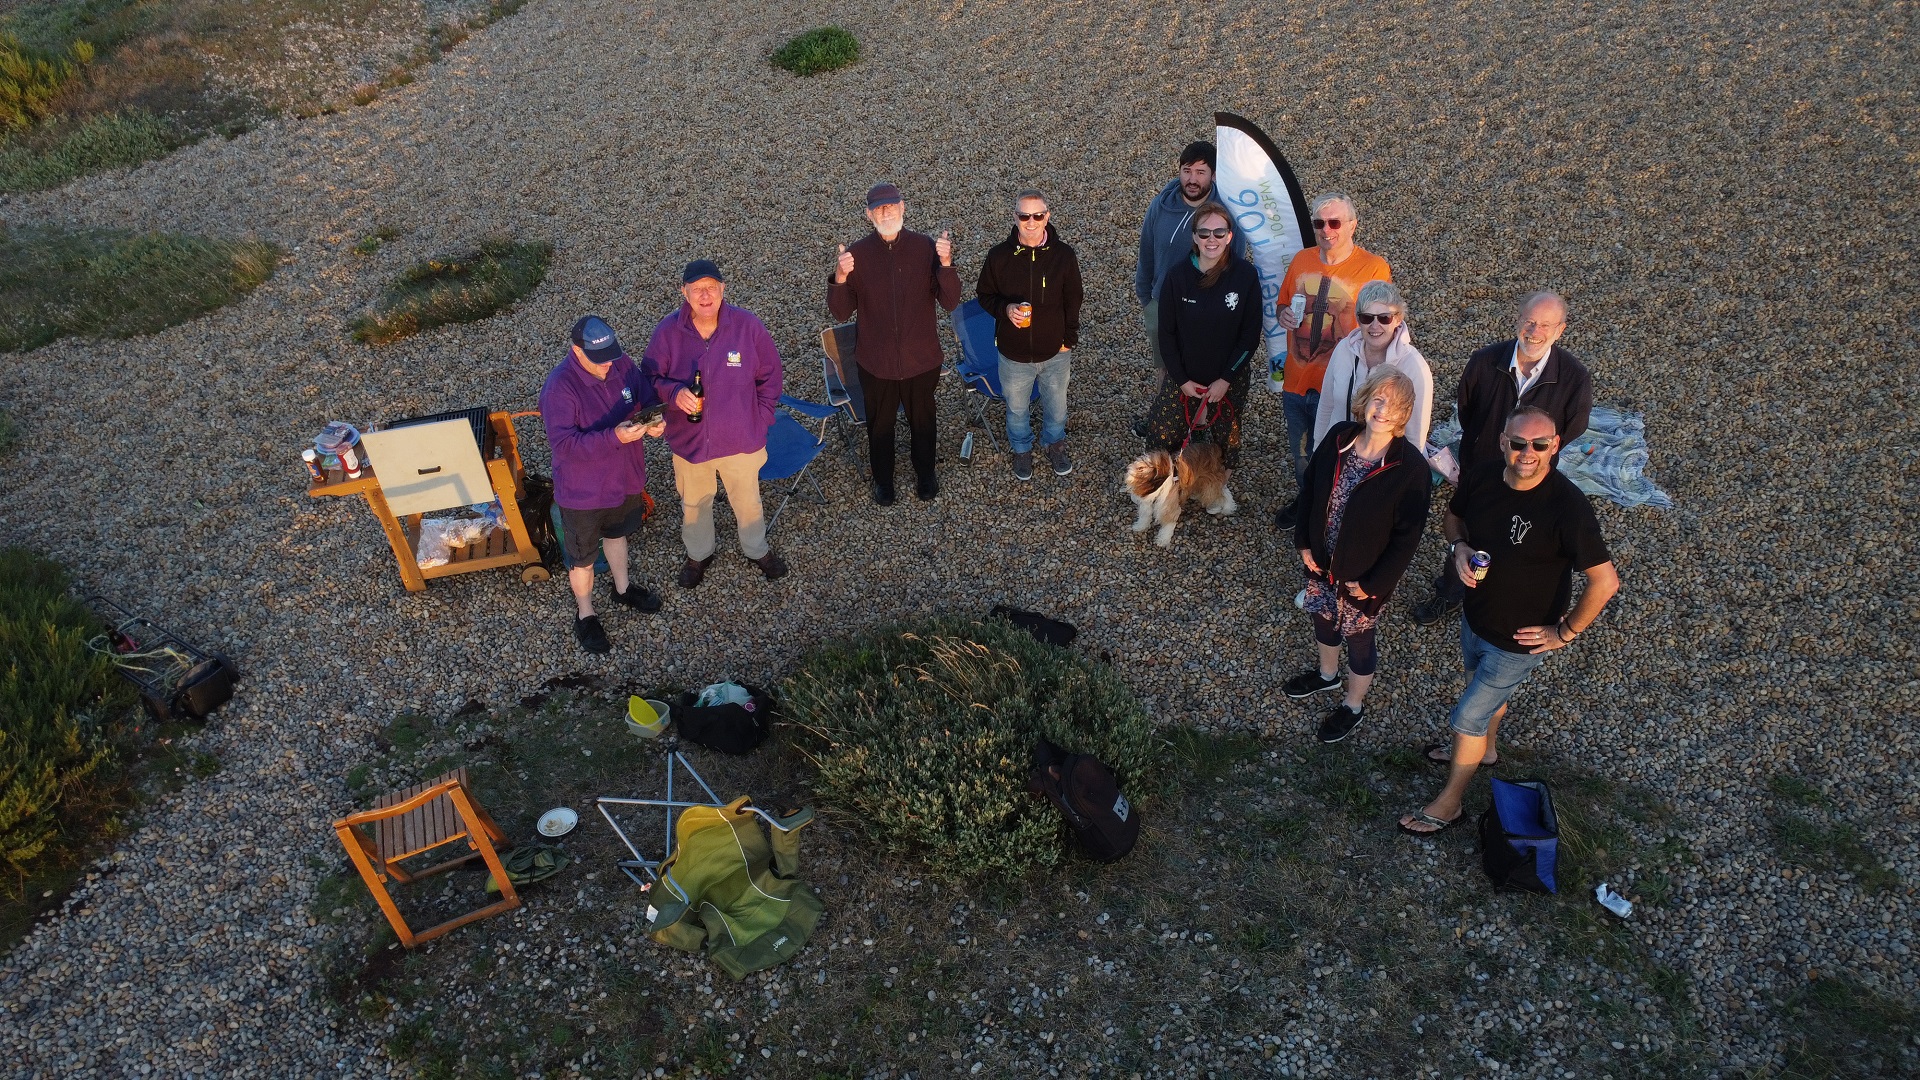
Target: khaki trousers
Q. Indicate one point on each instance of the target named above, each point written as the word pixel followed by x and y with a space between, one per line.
pixel 697 484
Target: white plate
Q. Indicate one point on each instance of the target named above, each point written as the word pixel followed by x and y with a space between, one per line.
pixel 558 821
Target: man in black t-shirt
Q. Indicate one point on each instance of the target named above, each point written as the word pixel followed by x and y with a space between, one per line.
pixel 1537 528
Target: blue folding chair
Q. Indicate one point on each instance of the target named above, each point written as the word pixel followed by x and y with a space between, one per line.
pixel 979 366
pixel 791 448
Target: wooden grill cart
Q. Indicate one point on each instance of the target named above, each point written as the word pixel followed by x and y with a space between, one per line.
pixel 437 463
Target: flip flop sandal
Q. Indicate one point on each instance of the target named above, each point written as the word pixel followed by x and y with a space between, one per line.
pixel 1427 752
pixel 1421 817
pixel 530 863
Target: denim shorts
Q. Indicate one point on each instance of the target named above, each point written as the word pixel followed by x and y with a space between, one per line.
pixel 1495 675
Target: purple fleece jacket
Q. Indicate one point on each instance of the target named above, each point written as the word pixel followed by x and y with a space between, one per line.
pixel 592 468
pixel 739 372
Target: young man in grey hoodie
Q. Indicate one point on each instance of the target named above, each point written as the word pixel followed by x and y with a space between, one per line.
pixel 1166 236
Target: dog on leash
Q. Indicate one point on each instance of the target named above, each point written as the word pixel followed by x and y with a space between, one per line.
pixel 1160 483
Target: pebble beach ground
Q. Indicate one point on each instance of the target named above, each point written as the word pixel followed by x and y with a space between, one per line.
pixel 1725 193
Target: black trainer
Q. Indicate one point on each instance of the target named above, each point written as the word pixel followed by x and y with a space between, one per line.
pixel 927 487
pixel 593 636
pixel 883 494
pixel 1308 683
pixel 637 597
pixel 1433 609
pixel 1340 723
pixel 1285 518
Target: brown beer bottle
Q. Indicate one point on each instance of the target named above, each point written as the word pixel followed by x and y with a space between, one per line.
pixel 699 392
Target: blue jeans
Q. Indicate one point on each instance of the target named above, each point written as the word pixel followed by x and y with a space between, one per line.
pixel 1495 675
pixel 1301 411
pixel 1017 381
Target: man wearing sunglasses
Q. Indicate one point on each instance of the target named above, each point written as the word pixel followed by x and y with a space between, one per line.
pixel 1537 528
pixel 1327 277
pixel 1031 283
pixel 1530 369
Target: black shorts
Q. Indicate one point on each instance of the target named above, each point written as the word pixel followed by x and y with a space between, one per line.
pixel 585 529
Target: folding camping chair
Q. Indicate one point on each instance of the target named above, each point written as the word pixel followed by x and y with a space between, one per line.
pixel 669 809
pixel 979 365
pixel 791 448
pixel 414 821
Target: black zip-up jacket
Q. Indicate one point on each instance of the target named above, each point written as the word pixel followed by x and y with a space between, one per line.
pixel 1048 277
pixel 1381 526
pixel 1487 395
pixel 1208 334
pixel 894 287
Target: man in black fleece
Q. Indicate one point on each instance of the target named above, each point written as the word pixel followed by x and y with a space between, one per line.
pixel 1030 282
pixel 892 278
pixel 1529 369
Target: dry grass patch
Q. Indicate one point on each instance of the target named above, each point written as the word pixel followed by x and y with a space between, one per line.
pixel 460 288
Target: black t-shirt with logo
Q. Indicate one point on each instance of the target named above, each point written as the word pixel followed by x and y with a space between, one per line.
pixel 1536 538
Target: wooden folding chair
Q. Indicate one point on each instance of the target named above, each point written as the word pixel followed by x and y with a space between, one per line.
pixel 414 821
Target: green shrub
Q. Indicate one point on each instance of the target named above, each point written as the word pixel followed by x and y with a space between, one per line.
pixel 30 79
pixel 825 48
pixel 62 152
pixel 107 283
pixel 924 735
pixel 52 689
pixel 456 289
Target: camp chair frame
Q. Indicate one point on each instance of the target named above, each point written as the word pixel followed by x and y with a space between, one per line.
pixel 841 377
pixel 669 809
pixel 811 411
pixel 979 365
pixel 414 821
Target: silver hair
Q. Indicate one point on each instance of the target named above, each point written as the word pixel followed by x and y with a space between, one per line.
pixel 1334 196
pixel 1537 295
pixel 1381 292
pixel 1031 193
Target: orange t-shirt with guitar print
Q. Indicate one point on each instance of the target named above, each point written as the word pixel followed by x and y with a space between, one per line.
pixel 1330 293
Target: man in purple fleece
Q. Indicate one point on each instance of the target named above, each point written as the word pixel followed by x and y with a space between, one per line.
pixel 720 435
pixel 893 277
pixel 589 405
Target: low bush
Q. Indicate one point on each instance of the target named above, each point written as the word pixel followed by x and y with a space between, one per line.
pixel 924 736
pixel 459 288
pixel 31 79
pixel 64 151
pixel 57 698
pixel 825 48
pixel 108 283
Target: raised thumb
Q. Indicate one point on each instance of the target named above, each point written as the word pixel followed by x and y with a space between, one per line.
pixel 843 249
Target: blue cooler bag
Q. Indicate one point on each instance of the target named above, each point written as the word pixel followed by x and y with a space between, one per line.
pixel 1520 837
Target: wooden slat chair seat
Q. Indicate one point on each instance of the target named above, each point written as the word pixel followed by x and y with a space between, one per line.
pixel 414 821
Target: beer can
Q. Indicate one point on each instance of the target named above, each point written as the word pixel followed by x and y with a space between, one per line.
pixel 1299 305
pixel 1478 563
pixel 1026 312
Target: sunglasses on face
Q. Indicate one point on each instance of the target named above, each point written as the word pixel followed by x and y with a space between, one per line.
pixel 1212 234
pixel 1331 224
pixel 1540 445
pixel 1041 216
pixel 1368 318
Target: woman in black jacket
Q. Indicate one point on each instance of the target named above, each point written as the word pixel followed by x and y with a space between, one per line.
pixel 1363 506
pixel 1209 326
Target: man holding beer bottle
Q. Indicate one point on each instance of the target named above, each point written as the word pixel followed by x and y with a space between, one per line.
pixel 1516 531
pixel 716 368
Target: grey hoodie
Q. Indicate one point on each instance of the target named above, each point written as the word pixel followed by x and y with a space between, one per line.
pixel 1166 237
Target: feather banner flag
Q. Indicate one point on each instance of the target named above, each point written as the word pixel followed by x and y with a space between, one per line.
pixel 1269 210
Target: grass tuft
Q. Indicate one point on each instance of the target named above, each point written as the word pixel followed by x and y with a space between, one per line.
pixel 461 288
pixel 825 48
pixel 62 152
pixel 53 690
pixel 925 736
pixel 1839 1028
pixel 107 283
pixel 1837 848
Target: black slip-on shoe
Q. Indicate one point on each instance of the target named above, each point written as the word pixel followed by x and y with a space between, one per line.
pixel 593 636
pixel 637 597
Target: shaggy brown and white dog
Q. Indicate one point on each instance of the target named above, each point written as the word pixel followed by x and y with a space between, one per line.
pixel 1160 483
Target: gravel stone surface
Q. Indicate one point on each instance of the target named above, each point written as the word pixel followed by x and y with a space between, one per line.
pixel 1724 192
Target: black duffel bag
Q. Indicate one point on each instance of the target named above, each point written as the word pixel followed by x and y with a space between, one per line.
pixel 730 729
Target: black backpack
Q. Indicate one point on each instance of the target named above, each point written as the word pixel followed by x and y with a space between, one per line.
pixel 1103 820
pixel 536 513
pixel 1045 630
pixel 730 729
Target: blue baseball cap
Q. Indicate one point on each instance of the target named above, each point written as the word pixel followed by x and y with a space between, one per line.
pixel 698 269
pixel 883 195
pixel 596 339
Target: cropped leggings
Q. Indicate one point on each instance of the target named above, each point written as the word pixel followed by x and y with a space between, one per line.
pixel 1362 655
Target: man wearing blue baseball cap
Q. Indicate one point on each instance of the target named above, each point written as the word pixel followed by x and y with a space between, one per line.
pixel 591 404
pixel 717 369
pixel 893 277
